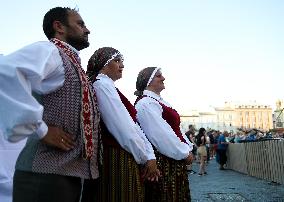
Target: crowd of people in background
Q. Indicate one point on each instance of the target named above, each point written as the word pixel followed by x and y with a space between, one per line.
pixel 253 135
pixel 212 144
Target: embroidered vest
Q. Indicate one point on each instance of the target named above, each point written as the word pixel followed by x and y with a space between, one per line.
pixel 62 108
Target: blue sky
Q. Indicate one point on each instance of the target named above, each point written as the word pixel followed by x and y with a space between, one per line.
pixel 209 51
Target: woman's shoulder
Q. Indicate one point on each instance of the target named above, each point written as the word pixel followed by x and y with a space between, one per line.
pixel 146 102
pixel 103 81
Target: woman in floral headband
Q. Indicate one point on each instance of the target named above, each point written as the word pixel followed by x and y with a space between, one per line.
pixel 161 122
pixel 124 143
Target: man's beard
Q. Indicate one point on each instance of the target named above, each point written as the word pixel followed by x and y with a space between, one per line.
pixel 77 42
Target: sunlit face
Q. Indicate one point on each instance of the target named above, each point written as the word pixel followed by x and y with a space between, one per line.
pixel 76 32
pixel 114 69
pixel 157 84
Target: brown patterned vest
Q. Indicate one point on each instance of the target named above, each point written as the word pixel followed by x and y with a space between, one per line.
pixel 62 108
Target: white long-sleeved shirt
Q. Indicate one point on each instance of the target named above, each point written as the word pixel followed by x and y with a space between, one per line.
pixel 37 67
pixel 157 130
pixel 119 122
pixel 9 153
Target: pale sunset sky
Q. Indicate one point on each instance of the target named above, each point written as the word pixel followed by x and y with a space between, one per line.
pixel 210 51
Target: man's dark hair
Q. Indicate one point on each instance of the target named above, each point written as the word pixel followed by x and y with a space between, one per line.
pixel 55 14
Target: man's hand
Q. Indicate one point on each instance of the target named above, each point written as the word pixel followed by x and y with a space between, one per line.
pixel 56 137
pixel 150 171
pixel 189 159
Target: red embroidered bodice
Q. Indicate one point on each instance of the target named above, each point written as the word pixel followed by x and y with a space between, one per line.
pixel 171 116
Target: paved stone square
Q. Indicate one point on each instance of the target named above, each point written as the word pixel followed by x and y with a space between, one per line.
pixel 228 185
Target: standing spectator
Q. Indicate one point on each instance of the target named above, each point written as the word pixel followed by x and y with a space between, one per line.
pixel 211 144
pixel 201 150
pixel 216 138
pixel 62 128
pixel 222 149
pixel 161 124
pixel 237 137
pixel 251 137
pixel 207 147
pixel 190 134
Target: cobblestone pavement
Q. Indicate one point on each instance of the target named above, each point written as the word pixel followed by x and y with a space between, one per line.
pixel 228 185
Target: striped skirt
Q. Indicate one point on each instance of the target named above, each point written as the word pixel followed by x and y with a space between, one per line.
pixel 119 177
pixel 173 185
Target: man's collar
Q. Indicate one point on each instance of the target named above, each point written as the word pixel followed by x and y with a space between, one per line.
pixel 71 47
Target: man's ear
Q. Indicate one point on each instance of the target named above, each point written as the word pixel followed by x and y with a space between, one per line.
pixel 58 27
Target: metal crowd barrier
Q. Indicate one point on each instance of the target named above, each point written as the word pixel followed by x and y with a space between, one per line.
pixel 263 159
